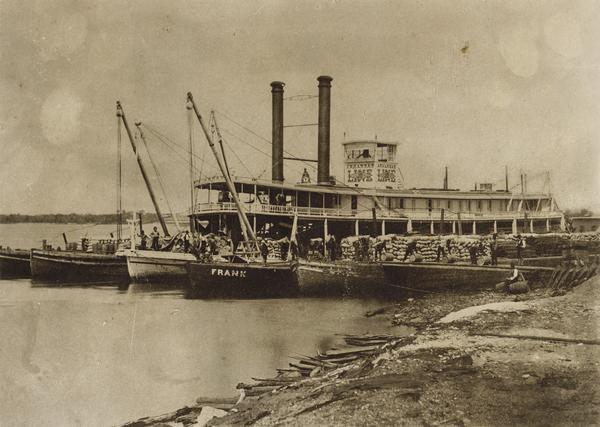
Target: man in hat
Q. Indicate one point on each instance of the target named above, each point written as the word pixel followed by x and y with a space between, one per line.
pixel 441 251
pixel 520 246
pixel 494 249
pixel 264 250
pixel 411 248
pixel 155 238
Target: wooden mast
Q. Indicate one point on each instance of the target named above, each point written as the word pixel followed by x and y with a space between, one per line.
pixel 119 183
pixel 121 114
pixel 214 119
pixel 191 148
pixel 249 233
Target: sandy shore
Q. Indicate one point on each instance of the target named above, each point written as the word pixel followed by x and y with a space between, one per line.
pixel 480 359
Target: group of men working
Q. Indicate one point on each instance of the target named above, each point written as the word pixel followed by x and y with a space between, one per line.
pixel 154 238
pixel 188 243
pixel 475 249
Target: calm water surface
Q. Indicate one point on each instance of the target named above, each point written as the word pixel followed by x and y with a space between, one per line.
pixel 96 356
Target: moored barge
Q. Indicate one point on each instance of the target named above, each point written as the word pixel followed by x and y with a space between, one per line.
pixel 14 263
pixel 438 276
pixel 341 278
pixel 78 267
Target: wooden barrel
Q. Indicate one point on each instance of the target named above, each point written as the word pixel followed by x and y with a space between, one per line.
pixel 519 287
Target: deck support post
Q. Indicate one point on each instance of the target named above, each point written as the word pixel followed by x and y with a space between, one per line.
pixel 474 227
pixel 547 224
pixel 531 226
pixel 453 227
pixel 254 224
pixel 409 228
pixel 514 226
pixel 325 234
pixel 495 226
pixel 356 228
pixel 383 227
pixel 431 228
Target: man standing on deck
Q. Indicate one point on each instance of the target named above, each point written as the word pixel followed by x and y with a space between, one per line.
pixel 473 247
pixel 494 249
pixel 284 245
pixel 520 246
pixel 264 250
pixel 331 247
pixel 411 248
pixel 143 240
pixel 155 237
pixel 186 241
pixel 294 249
pixel 440 249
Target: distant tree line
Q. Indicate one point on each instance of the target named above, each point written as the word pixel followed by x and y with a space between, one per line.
pixel 569 213
pixel 73 218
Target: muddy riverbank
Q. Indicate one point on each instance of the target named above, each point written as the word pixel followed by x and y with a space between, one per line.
pixel 480 359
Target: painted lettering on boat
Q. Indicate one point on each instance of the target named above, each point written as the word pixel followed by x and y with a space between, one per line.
pixel 227 272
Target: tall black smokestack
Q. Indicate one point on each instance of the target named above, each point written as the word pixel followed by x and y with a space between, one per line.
pixel 324 115
pixel 277 138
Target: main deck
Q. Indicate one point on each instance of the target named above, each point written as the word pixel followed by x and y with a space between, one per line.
pixel 351 211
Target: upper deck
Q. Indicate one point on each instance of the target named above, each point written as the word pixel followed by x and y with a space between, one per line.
pixel 263 197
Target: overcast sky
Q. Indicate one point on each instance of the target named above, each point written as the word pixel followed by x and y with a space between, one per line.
pixel 472 85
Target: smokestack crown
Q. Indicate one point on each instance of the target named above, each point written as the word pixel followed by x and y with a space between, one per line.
pixel 277 86
pixel 325 81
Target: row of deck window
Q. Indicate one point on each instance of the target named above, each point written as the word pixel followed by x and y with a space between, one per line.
pixel 362 202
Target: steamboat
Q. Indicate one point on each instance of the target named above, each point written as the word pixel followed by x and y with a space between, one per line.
pixel 371 199
pixel 372 194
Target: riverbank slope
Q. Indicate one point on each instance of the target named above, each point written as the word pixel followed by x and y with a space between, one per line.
pixel 510 360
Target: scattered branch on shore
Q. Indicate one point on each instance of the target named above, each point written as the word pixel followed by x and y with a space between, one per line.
pixel 539 338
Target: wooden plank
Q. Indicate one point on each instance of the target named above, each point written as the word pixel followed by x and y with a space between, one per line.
pixel 351 350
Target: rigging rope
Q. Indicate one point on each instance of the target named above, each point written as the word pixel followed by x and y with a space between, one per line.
pixel 119 182
pixel 291 155
pixel 181 157
pixel 160 183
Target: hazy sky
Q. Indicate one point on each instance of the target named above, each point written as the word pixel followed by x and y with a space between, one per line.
pixel 473 85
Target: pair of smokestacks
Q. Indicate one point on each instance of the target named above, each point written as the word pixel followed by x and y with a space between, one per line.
pixel 323 176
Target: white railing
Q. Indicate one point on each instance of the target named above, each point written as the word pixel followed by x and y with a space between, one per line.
pixel 413 214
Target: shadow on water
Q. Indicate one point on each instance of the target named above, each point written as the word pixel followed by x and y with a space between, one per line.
pixel 119 286
pixel 160 289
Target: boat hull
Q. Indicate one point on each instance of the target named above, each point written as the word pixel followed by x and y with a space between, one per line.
pixel 14 264
pixel 75 267
pixel 242 280
pixel 431 276
pixel 341 278
pixel 548 261
pixel 158 267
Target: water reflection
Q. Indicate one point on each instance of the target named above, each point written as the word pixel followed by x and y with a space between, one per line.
pixel 157 289
pixel 104 354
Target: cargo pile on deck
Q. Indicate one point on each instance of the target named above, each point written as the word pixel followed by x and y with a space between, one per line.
pixel 550 244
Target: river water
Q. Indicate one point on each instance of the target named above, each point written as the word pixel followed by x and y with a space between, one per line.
pixel 97 356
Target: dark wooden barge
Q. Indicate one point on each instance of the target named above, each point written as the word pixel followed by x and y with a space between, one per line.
pixel 77 267
pixel 423 275
pixel 14 263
